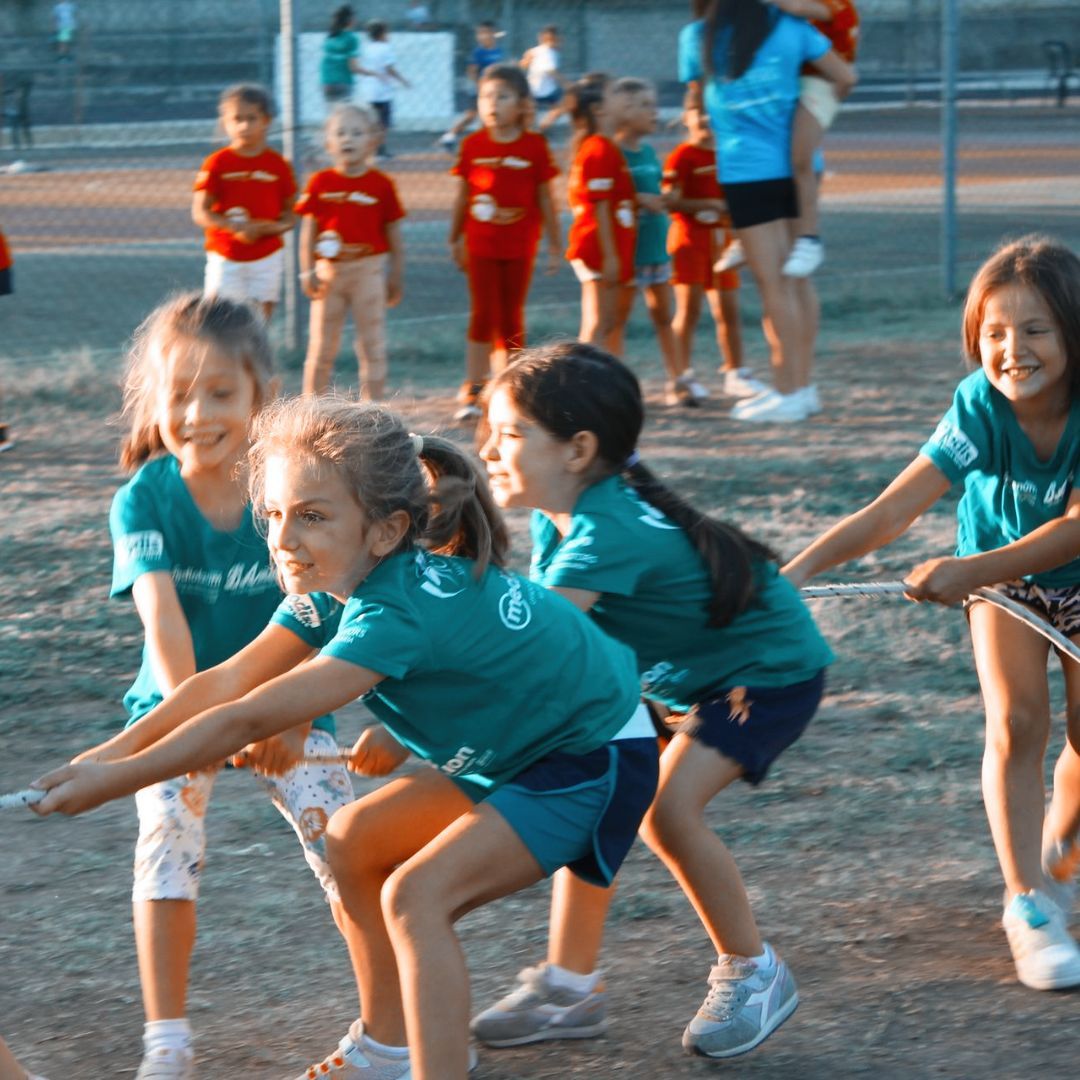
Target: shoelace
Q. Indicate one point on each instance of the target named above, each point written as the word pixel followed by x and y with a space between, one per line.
pixel 727 988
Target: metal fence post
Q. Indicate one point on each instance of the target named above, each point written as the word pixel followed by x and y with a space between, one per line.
pixel 290 126
pixel 949 21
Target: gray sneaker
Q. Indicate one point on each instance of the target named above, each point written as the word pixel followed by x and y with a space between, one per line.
pixel 743 1007
pixel 167 1063
pixel 536 1010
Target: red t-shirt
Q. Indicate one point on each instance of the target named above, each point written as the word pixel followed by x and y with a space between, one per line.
pixel 842 30
pixel 692 169
pixel 262 187
pixel 599 174
pixel 355 209
pixel 5 255
pixel 502 219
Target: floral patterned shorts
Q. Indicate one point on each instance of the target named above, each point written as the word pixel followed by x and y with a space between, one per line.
pixel 1059 607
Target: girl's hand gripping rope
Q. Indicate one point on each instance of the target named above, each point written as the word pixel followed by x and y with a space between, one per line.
pixel 76 788
pixel 277 755
pixel 377 752
pixel 944 581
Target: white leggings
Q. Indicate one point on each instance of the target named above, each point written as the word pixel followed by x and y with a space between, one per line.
pixel 171 848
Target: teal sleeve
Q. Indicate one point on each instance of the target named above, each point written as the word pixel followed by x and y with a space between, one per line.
pixel 960 442
pixel 313 618
pixel 598 555
pixel 381 637
pixel 138 538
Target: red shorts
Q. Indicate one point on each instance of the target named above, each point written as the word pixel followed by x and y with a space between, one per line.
pixel 498 288
pixel 693 265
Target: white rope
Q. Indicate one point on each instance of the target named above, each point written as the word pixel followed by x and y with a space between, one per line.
pixel 21 798
pixel 872 589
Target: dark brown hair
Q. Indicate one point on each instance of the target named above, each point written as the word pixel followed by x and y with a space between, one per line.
pixel 572 387
pixel 249 94
pixel 582 99
pixel 746 23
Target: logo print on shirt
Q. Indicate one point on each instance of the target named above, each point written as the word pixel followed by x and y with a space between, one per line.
pixel 954 444
pixel 140 546
pixel 303 610
pixel 1055 493
pixel 650 515
pixel 1025 491
pixel 514 609
pixel 436 575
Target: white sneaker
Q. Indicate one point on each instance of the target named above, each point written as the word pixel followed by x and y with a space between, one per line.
pixel 676 393
pixel 448 141
pixel 774 408
pixel 167 1063
pixel 354 1060
pixel 1060 863
pixel 731 258
pixel 806 256
pixel 1046 956
pixel 748 405
pixel 810 399
pixel 695 389
pixel 744 1006
pixel 739 383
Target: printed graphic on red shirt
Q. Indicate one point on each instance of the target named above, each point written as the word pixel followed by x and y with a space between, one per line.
pixel 599 174
pixel 502 219
pixel 351 212
pixel 246 189
pixel 692 169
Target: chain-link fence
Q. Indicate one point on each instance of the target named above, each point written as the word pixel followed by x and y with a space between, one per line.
pixel 103 134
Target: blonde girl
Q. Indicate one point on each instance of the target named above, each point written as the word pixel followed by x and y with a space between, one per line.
pixel 1012 439
pixel 351 255
pixel 188 553
pixel 392 552
pixel 244 196
pixel 717 633
pixel 503 202
pixel 601 194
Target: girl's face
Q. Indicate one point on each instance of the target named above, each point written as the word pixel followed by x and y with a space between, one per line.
pixel 1021 347
pixel 527 466
pixel 245 125
pixel 319 537
pixel 350 140
pixel 204 408
pixel 638 112
pixel 499 107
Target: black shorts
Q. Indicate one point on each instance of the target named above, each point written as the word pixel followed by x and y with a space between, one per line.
pixel 757 202
pixel 6 282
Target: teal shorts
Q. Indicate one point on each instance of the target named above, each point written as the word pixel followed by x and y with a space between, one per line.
pixel 582 810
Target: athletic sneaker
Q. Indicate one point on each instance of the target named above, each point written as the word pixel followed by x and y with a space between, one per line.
pixel 6 441
pixel 731 258
pixel 744 1006
pixel 810 399
pixel 469 399
pixel 739 383
pixel 695 389
pixel 1061 862
pixel 771 407
pixel 448 141
pixel 538 1010
pixel 675 393
pixel 167 1063
pixel 807 254
pixel 1046 956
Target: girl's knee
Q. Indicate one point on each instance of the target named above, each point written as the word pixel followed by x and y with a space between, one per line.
pixel 1017 730
pixel 664 824
pixel 407 895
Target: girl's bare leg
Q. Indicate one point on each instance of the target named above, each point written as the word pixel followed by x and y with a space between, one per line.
pixel 1063 815
pixel 724 305
pixel 473 861
pixel 659 299
pixel 806 136
pixel 615 339
pixel 164 939
pixel 576 928
pixel 687 313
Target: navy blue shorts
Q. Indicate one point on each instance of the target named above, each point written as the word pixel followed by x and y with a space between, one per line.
pixel 582 810
pixel 6 282
pixel 754 725
pixel 384 110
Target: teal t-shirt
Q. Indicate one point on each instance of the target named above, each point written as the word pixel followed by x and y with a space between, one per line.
pixel 481 678
pixel 647 172
pixel 227 587
pixel 338 50
pixel 655 594
pixel 1008 490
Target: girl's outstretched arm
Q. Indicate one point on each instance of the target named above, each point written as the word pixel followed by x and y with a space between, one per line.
pixel 305 693
pixel 838 71
pixel 912 493
pixel 550 221
pixel 168 636
pixel 275 651
pixel 1051 545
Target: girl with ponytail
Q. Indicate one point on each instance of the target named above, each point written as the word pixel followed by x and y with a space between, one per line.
pixel 718 634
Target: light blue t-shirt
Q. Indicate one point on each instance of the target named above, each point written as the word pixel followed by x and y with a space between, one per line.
pixel 227 587
pixel 1008 490
pixel 752 115
pixel 482 677
pixel 655 594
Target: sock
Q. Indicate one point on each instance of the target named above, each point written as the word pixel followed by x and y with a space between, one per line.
pixel 572 980
pixel 362 1038
pixel 171 1034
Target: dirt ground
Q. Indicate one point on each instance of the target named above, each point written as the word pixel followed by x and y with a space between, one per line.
pixel 866 851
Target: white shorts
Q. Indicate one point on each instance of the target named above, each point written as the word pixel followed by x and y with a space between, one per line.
pixel 171 847
pixel 584 273
pixel 818 97
pixel 259 280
